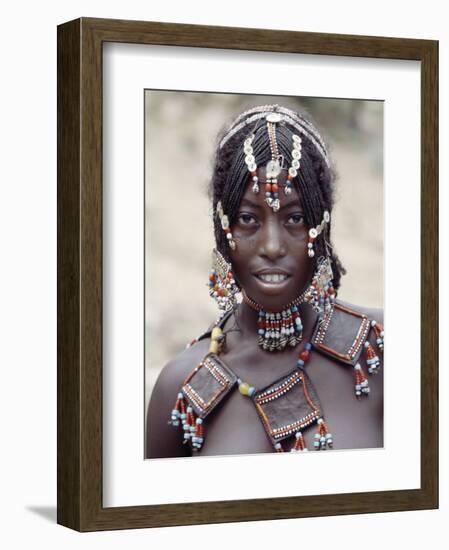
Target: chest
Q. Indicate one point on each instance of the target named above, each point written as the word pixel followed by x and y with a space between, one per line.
pixel 235 427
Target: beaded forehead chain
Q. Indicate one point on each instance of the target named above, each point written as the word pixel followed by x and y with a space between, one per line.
pixel 275 115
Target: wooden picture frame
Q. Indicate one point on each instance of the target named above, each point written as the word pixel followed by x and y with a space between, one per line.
pixel 80 352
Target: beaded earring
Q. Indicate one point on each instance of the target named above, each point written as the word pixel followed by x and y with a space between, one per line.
pixel 222 286
pixel 321 294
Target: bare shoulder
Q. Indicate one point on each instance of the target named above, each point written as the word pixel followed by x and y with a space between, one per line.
pixel 372 313
pixel 162 440
pixel 175 371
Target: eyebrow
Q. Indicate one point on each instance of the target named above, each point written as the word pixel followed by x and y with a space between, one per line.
pixel 247 202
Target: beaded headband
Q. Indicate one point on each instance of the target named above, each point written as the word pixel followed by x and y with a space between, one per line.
pixel 286 115
pixel 273 115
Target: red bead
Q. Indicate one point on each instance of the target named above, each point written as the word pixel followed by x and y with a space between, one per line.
pixel 212 278
pixel 275 188
pixel 268 187
pixel 331 290
pixel 304 355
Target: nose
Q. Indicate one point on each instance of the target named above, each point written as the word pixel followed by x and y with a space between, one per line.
pixel 272 243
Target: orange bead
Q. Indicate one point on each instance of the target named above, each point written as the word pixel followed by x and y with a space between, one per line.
pixel 275 187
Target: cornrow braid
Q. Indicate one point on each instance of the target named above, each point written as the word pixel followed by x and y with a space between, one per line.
pixel 314 182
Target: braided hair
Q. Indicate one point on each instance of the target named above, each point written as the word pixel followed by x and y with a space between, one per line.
pixel 314 181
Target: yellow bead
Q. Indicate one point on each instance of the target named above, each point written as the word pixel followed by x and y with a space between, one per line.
pixel 213 347
pixel 244 388
pixel 216 332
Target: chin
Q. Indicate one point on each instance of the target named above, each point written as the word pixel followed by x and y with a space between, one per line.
pixel 272 298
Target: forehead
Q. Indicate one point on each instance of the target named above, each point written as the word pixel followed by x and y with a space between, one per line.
pixel 258 199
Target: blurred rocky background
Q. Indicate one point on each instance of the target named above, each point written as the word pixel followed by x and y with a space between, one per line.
pixel 180 138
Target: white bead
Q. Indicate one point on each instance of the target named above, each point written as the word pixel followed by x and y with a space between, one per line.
pixel 273 117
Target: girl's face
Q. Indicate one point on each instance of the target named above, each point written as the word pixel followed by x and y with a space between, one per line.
pixel 270 261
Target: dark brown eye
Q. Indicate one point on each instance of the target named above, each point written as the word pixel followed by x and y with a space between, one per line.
pixel 246 219
pixel 295 219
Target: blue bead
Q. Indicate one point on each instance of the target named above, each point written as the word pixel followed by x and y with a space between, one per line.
pixel 262 313
pixel 308 346
pixel 300 363
pixel 261 331
pixel 294 308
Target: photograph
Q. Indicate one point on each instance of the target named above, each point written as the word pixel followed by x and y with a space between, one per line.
pixel 264 274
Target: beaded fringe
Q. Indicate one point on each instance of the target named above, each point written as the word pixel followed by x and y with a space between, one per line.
pixel 192 426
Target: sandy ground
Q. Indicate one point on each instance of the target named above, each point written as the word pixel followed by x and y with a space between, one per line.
pixel 181 131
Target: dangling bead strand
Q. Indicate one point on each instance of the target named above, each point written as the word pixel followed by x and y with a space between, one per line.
pixel 178 410
pixel 323 439
pixel 379 332
pixel 198 437
pixel 189 424
pixel 372 360
pixel 293 170
pixel 250 162
pixel 361 383
pixel 273 168
pixel 299 443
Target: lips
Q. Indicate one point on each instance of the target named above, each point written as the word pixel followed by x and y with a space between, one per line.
pixel 272 276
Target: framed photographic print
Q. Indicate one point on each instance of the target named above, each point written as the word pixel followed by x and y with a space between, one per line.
pixel 292 177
